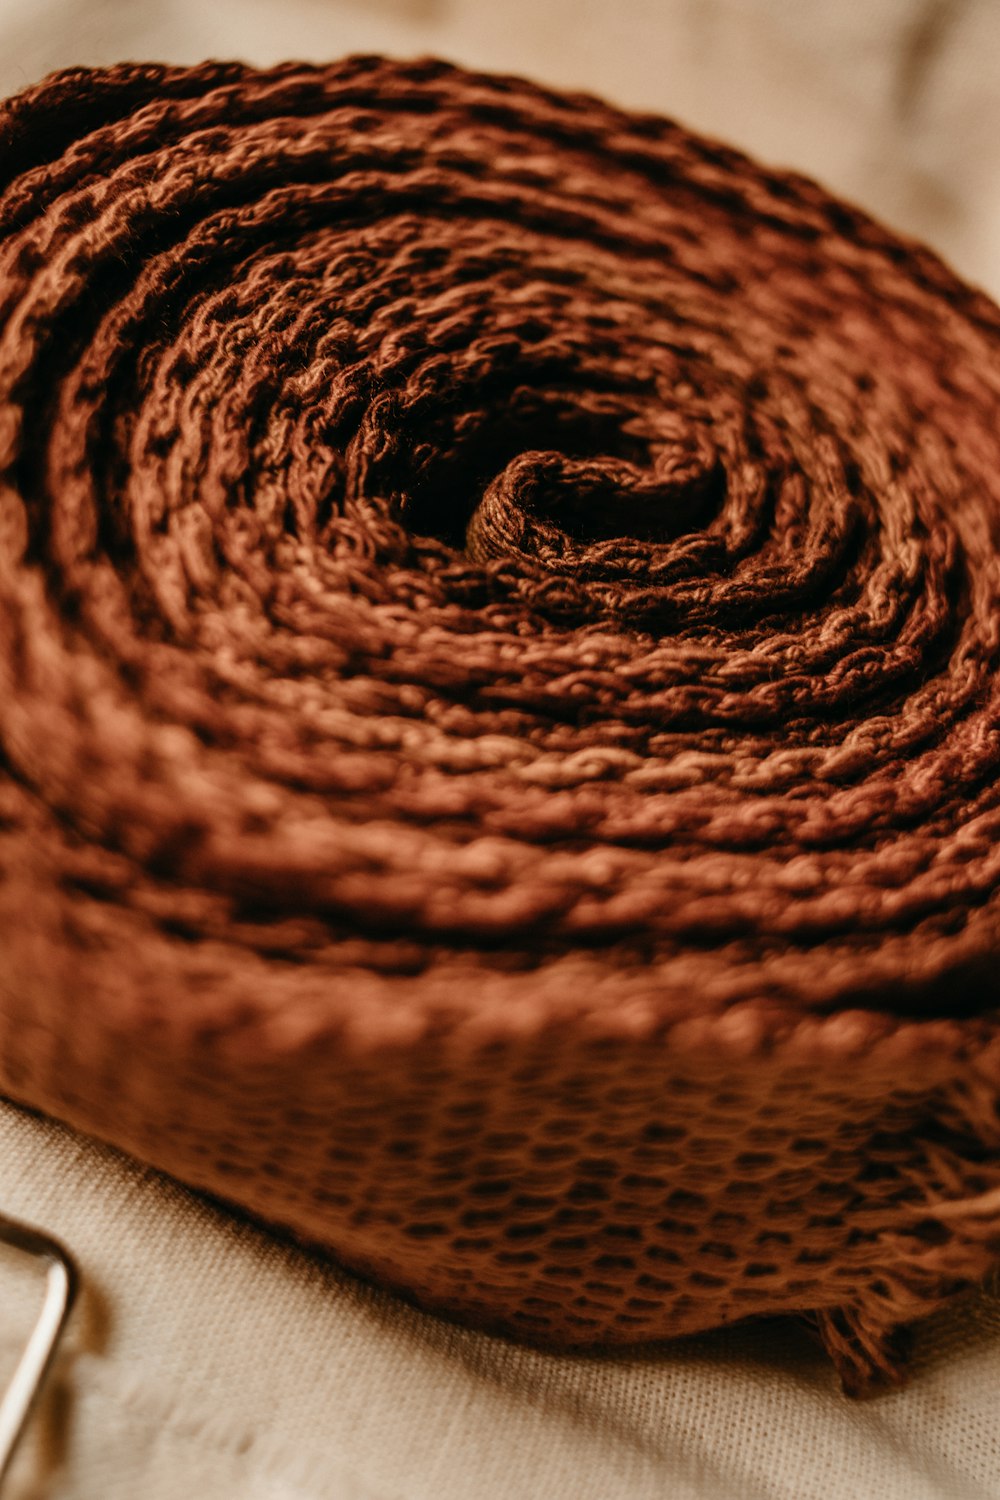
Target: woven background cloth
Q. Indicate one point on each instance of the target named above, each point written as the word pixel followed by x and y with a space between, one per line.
pixel 208 1360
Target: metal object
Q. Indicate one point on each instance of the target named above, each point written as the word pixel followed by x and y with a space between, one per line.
pixel 61 1285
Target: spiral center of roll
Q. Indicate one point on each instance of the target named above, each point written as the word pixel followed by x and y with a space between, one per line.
pixel 560 509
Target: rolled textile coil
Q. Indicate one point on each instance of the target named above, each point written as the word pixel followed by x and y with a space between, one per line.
pixel 499 691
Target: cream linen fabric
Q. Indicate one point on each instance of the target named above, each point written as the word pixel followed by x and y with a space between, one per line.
pixel 208 1361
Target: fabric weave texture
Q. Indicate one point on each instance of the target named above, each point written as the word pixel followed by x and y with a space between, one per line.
pixel 498 696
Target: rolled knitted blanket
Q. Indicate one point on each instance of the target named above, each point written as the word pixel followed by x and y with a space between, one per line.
pixel 499 696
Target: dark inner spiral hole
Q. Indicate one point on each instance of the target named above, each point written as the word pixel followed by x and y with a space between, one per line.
pixel 438 474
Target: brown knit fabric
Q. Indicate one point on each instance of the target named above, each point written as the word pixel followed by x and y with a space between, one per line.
pixel 499 694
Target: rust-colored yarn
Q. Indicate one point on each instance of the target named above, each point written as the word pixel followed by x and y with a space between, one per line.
pixel 499 696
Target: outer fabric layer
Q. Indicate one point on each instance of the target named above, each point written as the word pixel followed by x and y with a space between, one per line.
pixel 892 103
pixel 498 695
pixel 206 1359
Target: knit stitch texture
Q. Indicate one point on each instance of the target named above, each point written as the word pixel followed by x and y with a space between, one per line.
pixel 499 693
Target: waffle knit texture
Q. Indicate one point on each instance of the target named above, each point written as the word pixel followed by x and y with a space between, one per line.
pixel 499 696
pixel 206 1360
